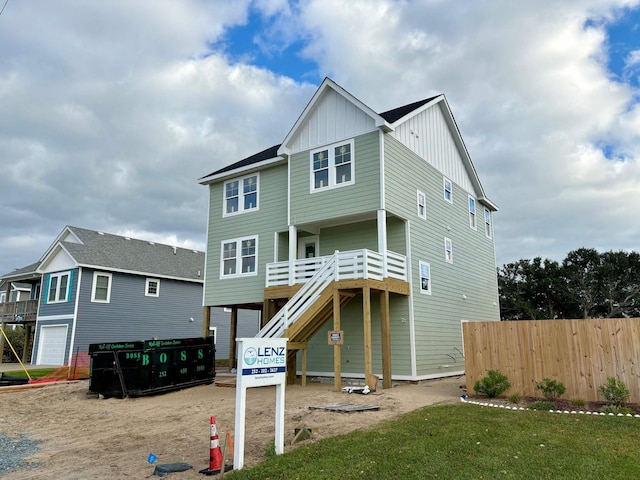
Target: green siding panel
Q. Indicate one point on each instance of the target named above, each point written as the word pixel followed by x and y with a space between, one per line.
pixel 361 197
pixel 270 218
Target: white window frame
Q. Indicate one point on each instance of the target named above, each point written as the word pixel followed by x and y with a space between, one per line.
pixel 332 181
pixel 473 221
pixel 241 196
pixel 58 276
pixel 146 287
pixel 95 284
pixel 448 250
pixel 446 190
pixel 487 223
pixel 421 200
pixel 424 291
pixel 2 296
pixel 239 257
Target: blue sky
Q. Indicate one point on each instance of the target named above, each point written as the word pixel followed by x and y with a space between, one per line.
pixel 113 110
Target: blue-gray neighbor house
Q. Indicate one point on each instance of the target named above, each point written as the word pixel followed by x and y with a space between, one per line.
pixel 93 287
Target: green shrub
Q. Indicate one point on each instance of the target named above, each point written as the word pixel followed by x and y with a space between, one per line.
pixel 540 405
pixel 515 398
pixel 614 391
pixel 551 389
pixel 616 410
pixel 578 402
pixel 494 384
pixel 16 337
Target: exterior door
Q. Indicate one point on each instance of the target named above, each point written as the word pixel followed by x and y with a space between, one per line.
pixel 308 247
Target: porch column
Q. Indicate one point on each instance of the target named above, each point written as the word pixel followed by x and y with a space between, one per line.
pixel 27 343
pixel 2 341
pixel 366 313
pixel 233 329
pixel 385 335
pixel 293 247
pixel 337 369
pixel 382 238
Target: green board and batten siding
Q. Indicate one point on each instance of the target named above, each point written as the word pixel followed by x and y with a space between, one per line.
pixel 437 317
pixel 329 205
pixel 270 217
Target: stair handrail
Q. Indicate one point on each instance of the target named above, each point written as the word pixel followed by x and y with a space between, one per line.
pixel 302 299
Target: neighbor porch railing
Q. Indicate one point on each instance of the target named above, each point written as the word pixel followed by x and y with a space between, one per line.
pixel 319 273
pixel 18 312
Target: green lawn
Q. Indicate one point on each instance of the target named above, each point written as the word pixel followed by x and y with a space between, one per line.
pixel 33 372
pixel 464 441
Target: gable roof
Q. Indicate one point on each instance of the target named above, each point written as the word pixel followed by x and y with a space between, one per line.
pixel 24 273
pixel 105 251
pixel 387 121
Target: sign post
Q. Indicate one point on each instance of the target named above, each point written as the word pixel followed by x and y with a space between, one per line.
pixel 261 362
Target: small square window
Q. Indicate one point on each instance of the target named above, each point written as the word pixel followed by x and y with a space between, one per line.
pixel 152 287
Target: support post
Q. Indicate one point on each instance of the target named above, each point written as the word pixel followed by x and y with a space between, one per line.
pixel 293 246
pixel 337 369
pixel 27 343
pixel 233 329
pixel 366 309
pixel 206 321
pixel 385 335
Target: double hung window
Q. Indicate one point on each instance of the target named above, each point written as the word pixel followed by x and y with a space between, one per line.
pixel 241 195
pixel 448 189
pixel 487 222
pixel 472 213
pixel 448 250
pixel 239 257
pixel 422 205
pixel 332 166
pixel 101 290
pixel 58 287
pixel 425 278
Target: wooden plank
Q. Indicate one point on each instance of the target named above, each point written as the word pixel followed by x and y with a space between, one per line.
pixel 366 314
pixel 337 365
pixel 344 407
pixel 385 334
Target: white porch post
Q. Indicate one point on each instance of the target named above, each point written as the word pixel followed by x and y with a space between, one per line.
pixel 293 246
pixel 382 238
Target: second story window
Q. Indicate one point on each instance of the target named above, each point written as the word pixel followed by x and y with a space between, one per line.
pixel 59 287
pixel 425 278
pixel 472 213
pixel 152 287
pixel 101 290
pixel 448 189
pixel 487 222
pixel 422 205
pixel 241 195
pixel 332 166
pixel 448 250
pixel 239 257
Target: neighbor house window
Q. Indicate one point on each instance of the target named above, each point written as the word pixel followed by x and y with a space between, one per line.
pixel 448 189
pixel 152 287
pixel 239 257
pixel 241 195
pixel 425 278
pixel 448 250
pixel 59 287
pixel 101 290
pixel 422 205
pixel 472 212
pixel 2 297
pixel 487 222
pixel 332 166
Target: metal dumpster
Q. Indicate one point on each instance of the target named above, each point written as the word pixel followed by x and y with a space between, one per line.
pixel 121 369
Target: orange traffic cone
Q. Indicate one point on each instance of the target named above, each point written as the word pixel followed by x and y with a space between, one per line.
pixel 215 453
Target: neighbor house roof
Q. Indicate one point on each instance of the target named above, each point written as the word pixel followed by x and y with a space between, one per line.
pixel 105 251
pixel 24 273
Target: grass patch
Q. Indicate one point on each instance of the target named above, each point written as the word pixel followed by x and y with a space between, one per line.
pixel 33 372
pixel 465 441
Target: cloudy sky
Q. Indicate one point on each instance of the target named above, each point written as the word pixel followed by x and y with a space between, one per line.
pixel 111 111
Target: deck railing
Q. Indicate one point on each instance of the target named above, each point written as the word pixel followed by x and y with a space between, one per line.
pixel 18 312
pixel 318 273
pixel 350 265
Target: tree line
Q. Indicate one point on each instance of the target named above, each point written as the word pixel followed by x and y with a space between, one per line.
pixel 586 284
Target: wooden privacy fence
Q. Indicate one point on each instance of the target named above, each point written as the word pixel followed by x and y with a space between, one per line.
pixel 579 353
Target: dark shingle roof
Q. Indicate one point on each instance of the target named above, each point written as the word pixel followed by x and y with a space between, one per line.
pixel 390 116
pixel 113 252
pixel 18 272
pixel 271 152
pixel 397 113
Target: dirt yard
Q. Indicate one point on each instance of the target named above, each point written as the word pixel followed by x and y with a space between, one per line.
pixel 84 437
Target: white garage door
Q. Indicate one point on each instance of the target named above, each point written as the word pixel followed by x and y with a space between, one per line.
pixel 53 341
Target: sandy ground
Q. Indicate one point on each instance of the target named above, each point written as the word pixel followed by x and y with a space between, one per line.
pixel 85 437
